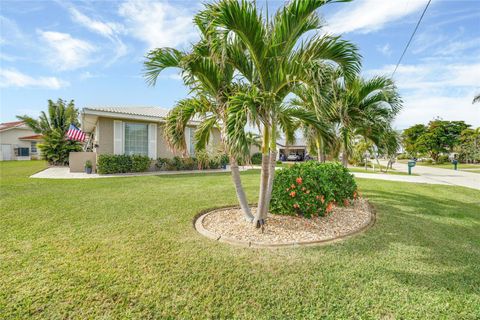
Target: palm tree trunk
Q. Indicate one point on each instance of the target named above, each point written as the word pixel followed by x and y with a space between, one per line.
pixel 345 158
pixel 237 181
pixel 271 176
pixel 319 151
pixel 259 218
pixel 242 198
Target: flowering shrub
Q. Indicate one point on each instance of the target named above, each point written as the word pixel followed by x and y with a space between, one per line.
pixel 312 189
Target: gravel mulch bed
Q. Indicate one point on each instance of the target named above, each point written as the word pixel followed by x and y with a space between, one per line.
pixel 229 224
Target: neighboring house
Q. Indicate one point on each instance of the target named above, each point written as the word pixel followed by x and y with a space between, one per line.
pixel 298 148
pixel 134 130
pixel 18 142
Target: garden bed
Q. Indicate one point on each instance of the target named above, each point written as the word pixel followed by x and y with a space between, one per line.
pixel 229 225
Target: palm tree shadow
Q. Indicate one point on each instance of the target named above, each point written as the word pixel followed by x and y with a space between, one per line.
pixel 438 240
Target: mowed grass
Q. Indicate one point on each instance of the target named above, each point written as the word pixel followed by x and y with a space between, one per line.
pixel 125 248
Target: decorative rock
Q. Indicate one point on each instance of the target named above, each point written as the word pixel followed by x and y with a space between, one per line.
pixel 228 225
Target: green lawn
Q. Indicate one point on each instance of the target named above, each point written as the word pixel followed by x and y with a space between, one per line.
pixel 125 248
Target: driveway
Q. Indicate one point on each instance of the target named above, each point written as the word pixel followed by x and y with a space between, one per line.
pixel 443 176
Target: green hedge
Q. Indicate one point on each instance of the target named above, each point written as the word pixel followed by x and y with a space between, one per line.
pixel 109 163
pixel 204 161
pixel 311 189
pixel 256 158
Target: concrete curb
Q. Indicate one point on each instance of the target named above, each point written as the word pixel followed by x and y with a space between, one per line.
pixel 198 225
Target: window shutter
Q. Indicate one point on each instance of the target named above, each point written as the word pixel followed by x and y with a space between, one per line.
pixel 118 137
pixel 152 141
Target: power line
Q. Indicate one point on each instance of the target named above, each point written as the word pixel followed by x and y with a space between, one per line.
pixel 411 37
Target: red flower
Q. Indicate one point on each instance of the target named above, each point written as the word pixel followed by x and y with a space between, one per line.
pixel 296 206
pixel 299 180
pixel 293 194
pixel 329 207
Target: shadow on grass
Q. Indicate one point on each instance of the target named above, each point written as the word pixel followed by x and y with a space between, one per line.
pixel 436 241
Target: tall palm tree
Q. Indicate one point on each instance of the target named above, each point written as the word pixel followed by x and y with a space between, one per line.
pixel 273 55
pixel 208 74
pixel 366 108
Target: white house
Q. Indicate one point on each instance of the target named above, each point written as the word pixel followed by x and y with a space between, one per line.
pixel 18 142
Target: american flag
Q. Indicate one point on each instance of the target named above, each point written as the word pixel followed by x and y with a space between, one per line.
pixel 75 134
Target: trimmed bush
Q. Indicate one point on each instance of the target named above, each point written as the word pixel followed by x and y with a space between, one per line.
pixel 312 189
pixel 256 158
pixel 203 161
pixel 442 159
pixel 109 163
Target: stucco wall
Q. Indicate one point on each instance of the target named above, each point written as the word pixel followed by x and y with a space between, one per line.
pixel 105 136
pixel 163 151
pixel 76 161
pixel 10 137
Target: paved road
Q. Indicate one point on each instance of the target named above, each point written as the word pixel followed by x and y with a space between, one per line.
pixel 394 177
pixel 442 176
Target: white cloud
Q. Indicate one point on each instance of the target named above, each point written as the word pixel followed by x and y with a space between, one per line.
pixel 14 78
pixel 385 50
pixel 423 108
pixel 443 77
pixel 107 29
pixel 110 30
pixel 66 52
pixel 158 24
pixel 371 15
pixel 432 90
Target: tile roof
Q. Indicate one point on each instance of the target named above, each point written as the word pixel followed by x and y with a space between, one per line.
pixel 8 125
pixel 135 111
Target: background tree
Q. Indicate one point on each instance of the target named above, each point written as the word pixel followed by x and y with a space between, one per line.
pixel 410 138
pixel 441 137
pixel 54 125
pixel 468 147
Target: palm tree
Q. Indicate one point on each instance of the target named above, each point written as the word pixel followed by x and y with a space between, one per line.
pixel 53 125
pixel 365 108
pixel 476 98
pixel 273 56
pixel 208 74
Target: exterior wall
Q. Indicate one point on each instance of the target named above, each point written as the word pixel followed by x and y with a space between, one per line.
pixel 163 151
pixel 104 136
pixel 9 139
pixel 76 161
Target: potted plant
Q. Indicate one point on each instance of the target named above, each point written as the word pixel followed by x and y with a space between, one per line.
pixel 88 167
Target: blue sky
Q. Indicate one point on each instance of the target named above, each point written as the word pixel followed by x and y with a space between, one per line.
pixel 92 52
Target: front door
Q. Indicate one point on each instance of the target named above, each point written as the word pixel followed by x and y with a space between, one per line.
pixel 6 151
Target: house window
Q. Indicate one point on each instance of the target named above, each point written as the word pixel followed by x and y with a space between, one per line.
pixel 136 138
pixel 33 146
pixel 22 152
